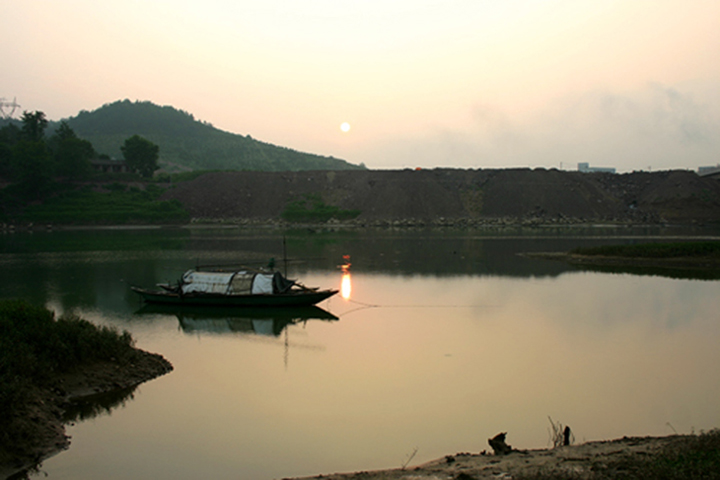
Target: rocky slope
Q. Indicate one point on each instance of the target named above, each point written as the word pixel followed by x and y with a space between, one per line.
pixel 449 195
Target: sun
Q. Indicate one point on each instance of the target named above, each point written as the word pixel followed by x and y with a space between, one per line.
pixel 345 127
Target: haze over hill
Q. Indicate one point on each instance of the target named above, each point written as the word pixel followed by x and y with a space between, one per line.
pixel 188 144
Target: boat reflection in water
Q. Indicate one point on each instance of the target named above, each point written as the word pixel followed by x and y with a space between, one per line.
pixel 221 320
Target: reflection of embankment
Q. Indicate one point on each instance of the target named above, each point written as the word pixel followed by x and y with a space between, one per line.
pixel 679 268
pixel 87 408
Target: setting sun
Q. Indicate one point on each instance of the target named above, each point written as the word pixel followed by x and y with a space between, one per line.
pixel 345 127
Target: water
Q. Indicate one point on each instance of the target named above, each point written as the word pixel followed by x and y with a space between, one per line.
pixel 448 338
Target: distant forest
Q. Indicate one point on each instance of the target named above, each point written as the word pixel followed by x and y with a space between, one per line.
pixel 188 144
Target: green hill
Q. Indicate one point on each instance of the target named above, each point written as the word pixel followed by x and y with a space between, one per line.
pixel 188 144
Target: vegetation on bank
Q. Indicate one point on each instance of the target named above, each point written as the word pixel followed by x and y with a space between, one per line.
pixel 693 457
pixel 311 209
pixel 34 347
pixel 117 206
pixel 45 179
pixel 655 250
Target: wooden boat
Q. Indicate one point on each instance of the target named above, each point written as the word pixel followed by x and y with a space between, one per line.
pixel 241 288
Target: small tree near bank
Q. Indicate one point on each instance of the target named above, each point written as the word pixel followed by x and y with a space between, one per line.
pixel 141 155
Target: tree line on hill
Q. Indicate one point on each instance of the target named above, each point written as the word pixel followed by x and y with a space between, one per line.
pixel 188 144
pixel 33 163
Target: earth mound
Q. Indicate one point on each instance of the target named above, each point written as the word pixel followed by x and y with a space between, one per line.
pixel 485 195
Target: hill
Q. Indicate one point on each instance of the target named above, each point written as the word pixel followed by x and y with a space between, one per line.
pixel 188 144
pixel 459 196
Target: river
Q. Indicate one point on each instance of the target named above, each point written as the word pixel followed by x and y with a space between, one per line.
pixel 448 337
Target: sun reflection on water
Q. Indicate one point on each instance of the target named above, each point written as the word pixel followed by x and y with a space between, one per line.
pixel 345 283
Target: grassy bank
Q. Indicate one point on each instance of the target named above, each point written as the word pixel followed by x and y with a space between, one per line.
pixel 35 347
pixel 117 205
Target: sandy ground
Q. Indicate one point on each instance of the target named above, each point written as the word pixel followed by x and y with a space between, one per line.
pixel 577 460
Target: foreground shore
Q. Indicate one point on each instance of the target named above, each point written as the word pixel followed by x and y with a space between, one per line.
pixel 592 460
pixel 42 419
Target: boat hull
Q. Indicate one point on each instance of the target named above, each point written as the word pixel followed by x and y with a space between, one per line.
pixel 292 299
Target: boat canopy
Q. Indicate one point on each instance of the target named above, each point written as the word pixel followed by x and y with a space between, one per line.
pixel 234 283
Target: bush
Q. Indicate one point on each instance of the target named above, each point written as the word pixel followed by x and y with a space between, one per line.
pixel 312 209
pixel 33 345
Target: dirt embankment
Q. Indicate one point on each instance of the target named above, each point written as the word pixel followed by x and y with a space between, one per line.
pixel 456 196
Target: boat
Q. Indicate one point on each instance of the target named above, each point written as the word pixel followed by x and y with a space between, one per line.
pixel 239 288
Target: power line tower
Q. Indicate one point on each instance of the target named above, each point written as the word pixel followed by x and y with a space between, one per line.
pixel 7 109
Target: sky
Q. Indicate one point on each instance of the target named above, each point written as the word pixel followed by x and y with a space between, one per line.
pixel 630 84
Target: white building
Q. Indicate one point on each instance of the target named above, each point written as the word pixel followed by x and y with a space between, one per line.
pixel 586 168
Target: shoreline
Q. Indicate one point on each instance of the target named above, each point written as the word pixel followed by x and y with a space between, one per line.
pixel 389 224
pixel 44 415
pixel 573 461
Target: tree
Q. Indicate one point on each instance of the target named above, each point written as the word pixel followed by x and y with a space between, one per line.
pixel 34 169
pixel 141 155
pixel 34 125
pixel 9 137
pixel 64 131
pixel 32 160
pixel 72 154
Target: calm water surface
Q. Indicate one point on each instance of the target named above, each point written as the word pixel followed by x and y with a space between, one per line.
pixel 448 338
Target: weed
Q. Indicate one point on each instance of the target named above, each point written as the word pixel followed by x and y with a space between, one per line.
pixel 408 458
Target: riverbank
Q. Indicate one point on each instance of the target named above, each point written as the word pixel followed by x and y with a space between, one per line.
pixel 631 457
pixel 49 365
pixel 41 419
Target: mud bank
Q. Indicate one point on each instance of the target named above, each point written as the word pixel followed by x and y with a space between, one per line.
pixel 574 461
pixel 40 422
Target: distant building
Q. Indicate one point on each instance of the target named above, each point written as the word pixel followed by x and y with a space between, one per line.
pixel 709 171
pixel 586 168
pixel 109 166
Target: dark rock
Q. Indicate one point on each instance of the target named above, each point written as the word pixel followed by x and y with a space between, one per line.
pixel 498 444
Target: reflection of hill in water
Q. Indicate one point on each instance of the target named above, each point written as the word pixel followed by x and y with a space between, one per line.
pixel 430 252
pixel 84 270
pixel 260 321
pixel 444 256
pixel 668 272
pixel 466 254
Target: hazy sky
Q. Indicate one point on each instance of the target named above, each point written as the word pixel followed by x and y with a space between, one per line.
pixel 464 83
